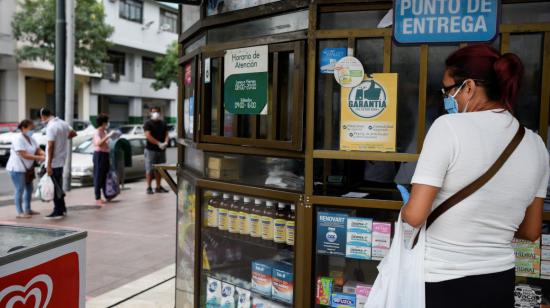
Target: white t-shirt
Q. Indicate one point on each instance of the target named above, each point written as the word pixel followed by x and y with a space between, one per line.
pixel 58 130
pixel 474 237
pixel 17 163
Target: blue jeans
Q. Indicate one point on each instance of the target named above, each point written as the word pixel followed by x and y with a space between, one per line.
pixel 23 192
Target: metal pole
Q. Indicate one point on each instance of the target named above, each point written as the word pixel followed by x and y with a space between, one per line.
pixel 60 54
pixel 69 89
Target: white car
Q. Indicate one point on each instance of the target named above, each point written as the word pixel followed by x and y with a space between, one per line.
pixel 131 129
pixel 84 131
pixel 82 168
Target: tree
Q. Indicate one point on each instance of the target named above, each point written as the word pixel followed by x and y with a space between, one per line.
pixel 34 27
pixel 166 68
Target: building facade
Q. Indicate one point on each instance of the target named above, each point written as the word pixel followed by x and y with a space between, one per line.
pixel 143 31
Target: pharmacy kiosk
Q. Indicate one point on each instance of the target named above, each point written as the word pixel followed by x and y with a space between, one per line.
pixel 296 120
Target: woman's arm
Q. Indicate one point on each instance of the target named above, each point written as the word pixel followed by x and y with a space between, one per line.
pixel 531 226
pixel 417 210
pixel 29 156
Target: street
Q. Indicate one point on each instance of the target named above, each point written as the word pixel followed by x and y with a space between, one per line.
pixel 6 190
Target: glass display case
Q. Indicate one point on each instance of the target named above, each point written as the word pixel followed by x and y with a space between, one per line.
pixel 241 167
pixel 247 245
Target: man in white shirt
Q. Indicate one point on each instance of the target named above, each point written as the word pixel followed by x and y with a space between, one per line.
pixel 58 132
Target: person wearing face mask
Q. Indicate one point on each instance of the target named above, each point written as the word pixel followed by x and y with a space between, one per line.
pixel 101 156
pixel 23 154
pixel 156 132
pixel 58 133
pixel 468 247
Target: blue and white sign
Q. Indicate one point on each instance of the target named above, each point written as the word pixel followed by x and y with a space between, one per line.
pixel 329 58
pixel 445 21
pixel 331 233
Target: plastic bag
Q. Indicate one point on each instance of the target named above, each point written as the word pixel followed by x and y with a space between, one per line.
pixel 46 189
pixel 400 282
pixel 111 189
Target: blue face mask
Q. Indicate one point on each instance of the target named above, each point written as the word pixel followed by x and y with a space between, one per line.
pixel 29 133
pixel 450 101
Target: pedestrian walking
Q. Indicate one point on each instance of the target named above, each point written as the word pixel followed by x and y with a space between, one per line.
pixel 156 132
pixel 24 153
pixel 58 133
pixel 469 246
pixel 101 156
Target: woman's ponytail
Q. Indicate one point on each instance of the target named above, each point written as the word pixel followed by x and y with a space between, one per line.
pixel 501 75
pixel 508 72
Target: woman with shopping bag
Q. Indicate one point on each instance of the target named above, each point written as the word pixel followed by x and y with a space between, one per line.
pixel 480 181
pixel 101 156
pixel 23 154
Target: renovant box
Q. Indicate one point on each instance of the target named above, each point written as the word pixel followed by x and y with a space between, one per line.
pixel 243 298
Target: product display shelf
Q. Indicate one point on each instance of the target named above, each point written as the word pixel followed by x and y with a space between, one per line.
pixel 243 240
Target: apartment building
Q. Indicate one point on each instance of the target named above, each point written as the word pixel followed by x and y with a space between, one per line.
pixel 143 31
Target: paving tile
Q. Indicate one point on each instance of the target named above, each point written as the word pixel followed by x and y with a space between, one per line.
pixel 126 239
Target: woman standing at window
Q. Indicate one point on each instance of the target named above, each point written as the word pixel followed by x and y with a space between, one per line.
pixel 23 153
pixel 469 260
pixel 101 156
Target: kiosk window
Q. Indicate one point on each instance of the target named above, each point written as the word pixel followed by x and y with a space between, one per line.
pixel 281 127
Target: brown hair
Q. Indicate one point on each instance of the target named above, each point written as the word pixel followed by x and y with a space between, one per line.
pixel 500 75
pixel 25 124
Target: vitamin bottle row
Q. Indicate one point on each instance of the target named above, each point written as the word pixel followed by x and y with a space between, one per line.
pixel 252 218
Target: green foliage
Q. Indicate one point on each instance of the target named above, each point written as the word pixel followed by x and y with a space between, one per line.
pixel 34 26
pixel 166 68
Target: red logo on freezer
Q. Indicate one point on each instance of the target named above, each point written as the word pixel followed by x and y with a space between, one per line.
pixel 51 284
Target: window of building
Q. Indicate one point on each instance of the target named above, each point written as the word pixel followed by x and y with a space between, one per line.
pixel 116 60
pixel 148 67
pixel 168 21
pixel 131 10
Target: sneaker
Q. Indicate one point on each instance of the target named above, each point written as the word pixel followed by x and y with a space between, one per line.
pixel 150 191
pixel 34 213
pixel 160 189
pixel 54 216
pixel 23 216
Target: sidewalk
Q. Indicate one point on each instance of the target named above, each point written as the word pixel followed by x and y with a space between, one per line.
pixel 127 239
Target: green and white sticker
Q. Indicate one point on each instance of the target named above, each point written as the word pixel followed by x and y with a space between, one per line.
pixel 349 72
pixel 245 80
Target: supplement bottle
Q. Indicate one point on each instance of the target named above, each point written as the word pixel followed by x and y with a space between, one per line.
pixel 268 216
pixel 212 214
pixel 244 217
pixel 254 220
pixel 233 215
pixel 223 210
pixel 279 225
pixel 291 225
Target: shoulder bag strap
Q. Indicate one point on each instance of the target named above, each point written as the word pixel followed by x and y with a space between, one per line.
pixel 478 183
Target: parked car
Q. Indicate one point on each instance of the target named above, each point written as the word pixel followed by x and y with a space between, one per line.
pixel 173 135
pixel 131 129
pixel 84 131
pixel 8 127
pixel 82 168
